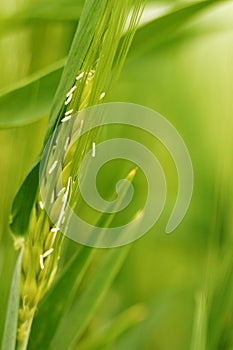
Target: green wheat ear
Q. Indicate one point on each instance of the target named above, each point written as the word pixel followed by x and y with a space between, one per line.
pixel 89 86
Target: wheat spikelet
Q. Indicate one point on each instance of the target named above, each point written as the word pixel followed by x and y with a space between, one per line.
pixel 43 244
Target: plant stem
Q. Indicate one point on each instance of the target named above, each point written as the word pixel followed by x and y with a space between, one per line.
pixel 22 344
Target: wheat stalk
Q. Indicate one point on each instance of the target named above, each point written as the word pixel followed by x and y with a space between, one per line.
pixel 42 245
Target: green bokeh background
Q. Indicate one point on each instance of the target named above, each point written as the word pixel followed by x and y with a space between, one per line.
pixel 189 80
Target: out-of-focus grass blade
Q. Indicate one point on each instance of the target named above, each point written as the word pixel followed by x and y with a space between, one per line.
pixel 200 324
pixel 31 100
pixel 57 300
pixel 159 312
pixel 221 303
pixel 61 10
pixel 118 326
pixel 9 337
pixel 82 310
pixel 42 12
pixel 163 28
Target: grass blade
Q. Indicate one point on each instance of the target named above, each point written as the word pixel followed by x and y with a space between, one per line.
pixel 40 13
pixel 31 100
pixel 200 324
pixel 76 321
pixel 117 327
pixel 163 28
pixel 9 337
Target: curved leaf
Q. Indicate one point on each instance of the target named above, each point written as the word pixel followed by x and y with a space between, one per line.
pixel 120 324
pixel 158 31
pixel 31 100
pixel 42 12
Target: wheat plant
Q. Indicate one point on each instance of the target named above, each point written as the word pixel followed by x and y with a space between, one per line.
pixel 173 292
pixel 95 59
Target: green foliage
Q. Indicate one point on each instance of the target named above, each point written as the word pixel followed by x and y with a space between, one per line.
pixel 68 283
pixel 121 323
pixel 21 209
pixel 84 53
pixel 44 12
pixel 167 26
pixel 81 43
pixel 9 337
pixel 161 73
pixel 41 88
pixel 31 100
pixel 200 320
pixel 82 310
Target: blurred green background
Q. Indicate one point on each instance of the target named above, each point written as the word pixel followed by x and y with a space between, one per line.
pixel 188 78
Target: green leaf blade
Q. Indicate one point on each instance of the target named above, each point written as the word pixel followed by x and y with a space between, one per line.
pixel 31 100
pixel 76 321
pixel 10 331
pixel 199 335
pixel 161 29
